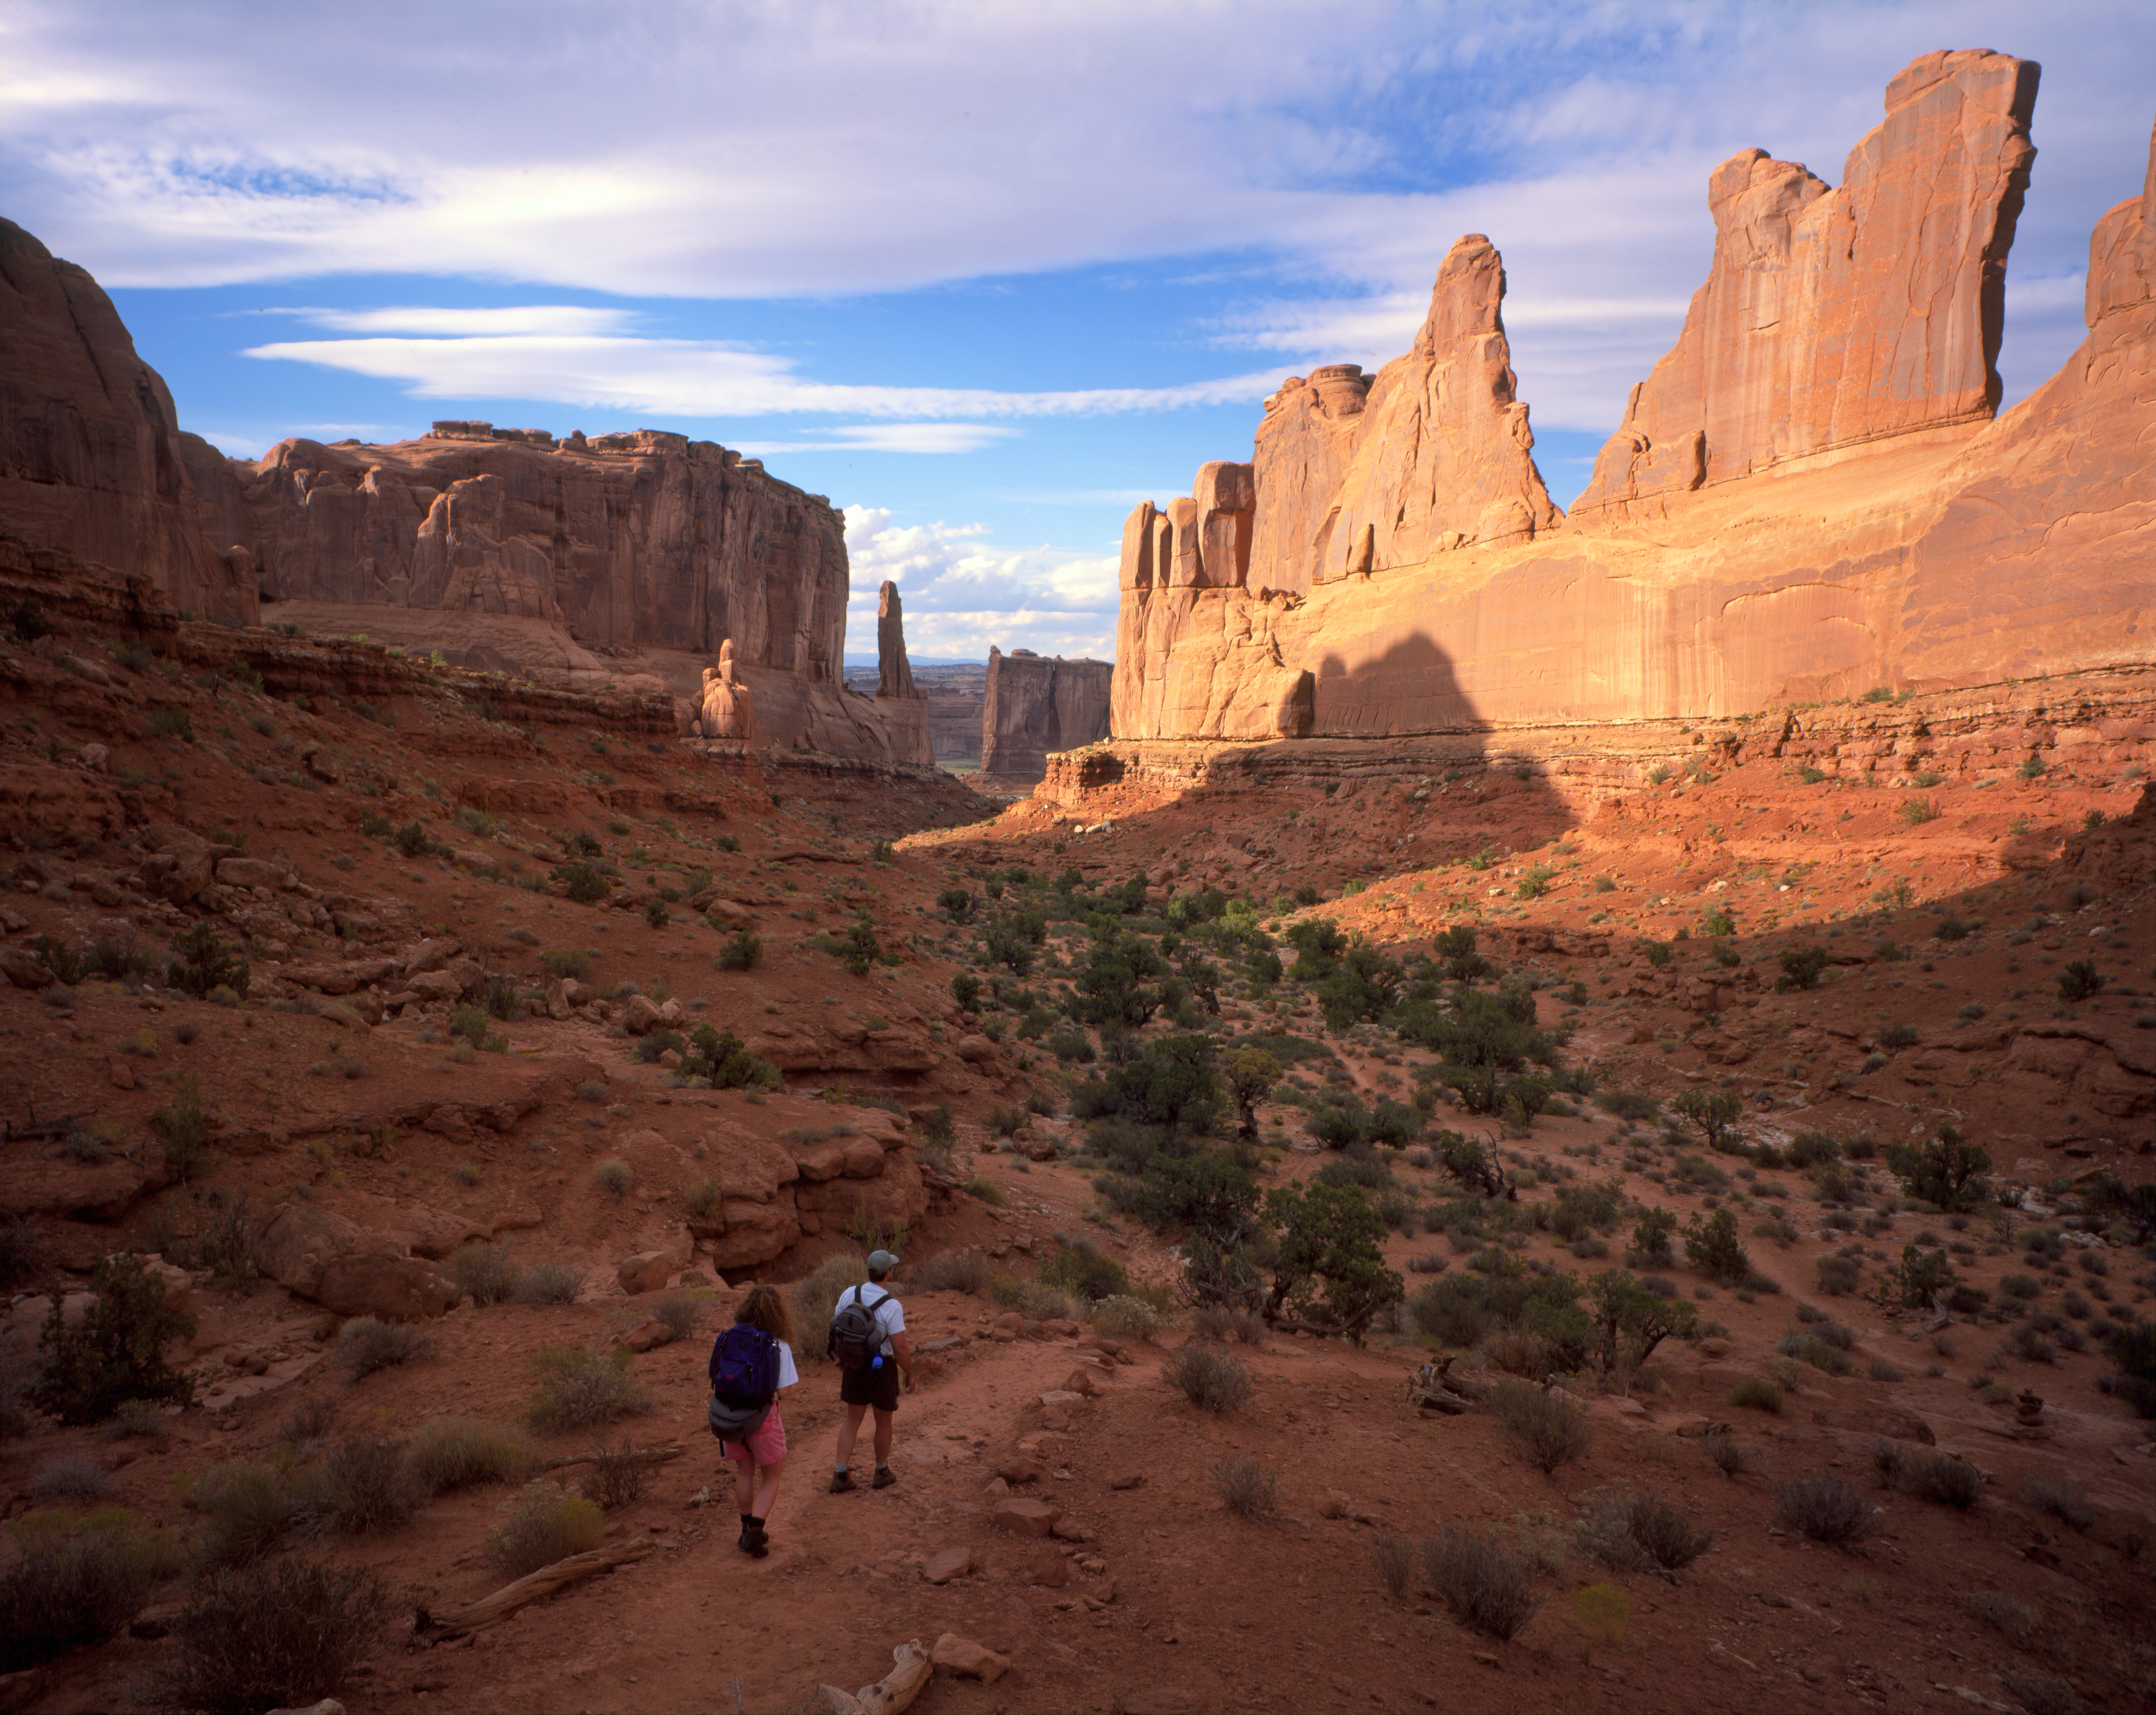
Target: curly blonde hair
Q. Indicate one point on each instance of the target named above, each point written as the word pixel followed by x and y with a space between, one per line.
pixel 765 1307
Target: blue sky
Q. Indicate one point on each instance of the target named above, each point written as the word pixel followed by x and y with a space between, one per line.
pixel 986 274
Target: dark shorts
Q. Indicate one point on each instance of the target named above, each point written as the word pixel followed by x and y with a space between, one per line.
pixel 871 1386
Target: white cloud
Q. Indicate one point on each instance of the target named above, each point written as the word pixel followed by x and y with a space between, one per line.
pixel 963 591
pixel 709 378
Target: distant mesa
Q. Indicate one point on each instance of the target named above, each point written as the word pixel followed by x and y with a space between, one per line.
pixel 1035 705
pixel 1808 495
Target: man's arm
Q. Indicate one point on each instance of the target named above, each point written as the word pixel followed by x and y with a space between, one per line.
pixel 901 1346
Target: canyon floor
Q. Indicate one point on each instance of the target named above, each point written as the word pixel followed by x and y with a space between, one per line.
pixel 1938 1000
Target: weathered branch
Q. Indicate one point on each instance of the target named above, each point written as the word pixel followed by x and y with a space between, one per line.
pixel 1435 1387
pixel 633 1455
pixel 894 1692
pixel 430 1628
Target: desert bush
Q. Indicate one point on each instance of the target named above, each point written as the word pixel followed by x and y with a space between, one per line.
pixel 679 1314
pixel 542 1525
pixel 1651 1235
pixel 487 1272
pixel 1122 1317
pixel 1713 1249
pixel 2039 1693
pixel 458 1453
pixel 614 1177
pixel 182 1128
pixel 2063 1498
pixel 2079 981
pixel 1487 1584
pixel 566 961
pixel 1820 1506
pixel 549 1283
pixel 815 1298
pixel 581 1388
pixel 1393 1555
pixel 367 1343
pixel 954 1271
pixel 1632 1531
pixel 1757 1393
pixel 247 1510
pixel 365 1484
pixel 1939 1476
pixel 77 1582
pixel 1549 1426
pixel 616 1476
pixel 1246 1488
pixel 1082 1270
pixel 71 1476
pixel 115 1353
pixel 1220 1322
pixel 1209 1379
pixel 203 964
pixel 2003 1613
pixel 1810 1348
pixel 284 1634
pixel 1731 1456
pixel 1838 1275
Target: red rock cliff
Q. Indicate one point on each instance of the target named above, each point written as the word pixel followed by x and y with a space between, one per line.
pixel 1835 316
pixel 1034 706
pixel 90 455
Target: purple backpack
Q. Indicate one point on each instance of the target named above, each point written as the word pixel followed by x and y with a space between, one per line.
pixel 744 1366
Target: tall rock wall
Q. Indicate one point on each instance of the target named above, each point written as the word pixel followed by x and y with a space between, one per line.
pixel 1034 706
pixel 90 449
pixel 643 540
pixel 1831 317
pixel 1847 514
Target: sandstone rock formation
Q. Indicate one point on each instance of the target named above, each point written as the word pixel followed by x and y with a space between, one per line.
pixel 894 676
pixel 91 459
pixel 1034 706
pixel 1835 316
pixel 728 708
pixel 1873 527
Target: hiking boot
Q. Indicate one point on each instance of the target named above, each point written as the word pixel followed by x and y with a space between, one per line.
pixel 843 1483
pixel 884 1478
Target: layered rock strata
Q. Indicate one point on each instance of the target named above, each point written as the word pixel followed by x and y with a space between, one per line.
pixel 91 454
pixel 1874 529
pixel 1036 706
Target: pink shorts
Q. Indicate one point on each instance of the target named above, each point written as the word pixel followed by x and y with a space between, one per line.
pixel 766 1446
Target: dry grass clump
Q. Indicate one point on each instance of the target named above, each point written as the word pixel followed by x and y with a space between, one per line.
pixel 2001 1612
pixel 487 1272
pixel 1393 1555
pixel 1731 1456
pixel 368 1343
pixel 679 1313
pixel 1209 1379
pixel 543 1525
pixel 365 1484
pixel 549 1283
pixel 1630 1532
pixel 71 1476
pixel 1216 1321
pixel 1548 1425
pixel 1820 1505
pixel 1123 1317
pixel 284 1635
pixel 2039 1693
pixel 617 1475
pixel 954 1271
pixel 78 1582
pixel 1246 1488
pixel 247 1510
pixel 1487 1582
pixel 817 1296
pixel 457 1453
pixel 1929 1476
pixel 1757 1393
pixel 2063 1498
pixel 581 1388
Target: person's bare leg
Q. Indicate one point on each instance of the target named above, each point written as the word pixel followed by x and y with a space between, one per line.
pixel 883 1422
pixel 744 1486
pixel 847 1432
pixel 767 1489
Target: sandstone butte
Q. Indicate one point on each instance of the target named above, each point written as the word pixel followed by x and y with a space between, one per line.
pixel 1034 706
pixel 622 560
pixel 1809 497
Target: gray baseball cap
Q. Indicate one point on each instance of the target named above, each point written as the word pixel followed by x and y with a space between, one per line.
pixel 881 1262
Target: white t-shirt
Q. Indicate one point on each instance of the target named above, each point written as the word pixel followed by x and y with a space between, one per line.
pixel 788 1374
pixel 889 1315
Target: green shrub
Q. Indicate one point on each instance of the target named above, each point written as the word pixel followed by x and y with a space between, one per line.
pixel 543 1524
pixel 1652 1235
pixel 202 964
pixel 459 1453
pixel 115 1353
pixel 566 961
pixel 581 1388
pixel 285 1635
pixel 2080 980
pixel 742 951
pixel 1082 1270
pixel 1549 1425
pixel 1838 1275
pixel 1209 1379
pixel 1944 1170
pixel 1713 1249
pixel 246 1510
pixel 1487 1583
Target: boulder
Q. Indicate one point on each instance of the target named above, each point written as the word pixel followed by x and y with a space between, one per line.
pixel 861 1159
pixel 1024 1517
pixel 1045 1567
pixel 947 1564
pixel 252 872
pixel 750 1167
pixel 963 1658
pixel 640 1015
pixel 976 1050
pixel 330 1258
pixel 647 1271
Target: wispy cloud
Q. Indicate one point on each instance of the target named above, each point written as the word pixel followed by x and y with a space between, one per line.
pixel 963 591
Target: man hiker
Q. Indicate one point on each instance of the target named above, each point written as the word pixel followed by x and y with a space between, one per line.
pixel 868 1337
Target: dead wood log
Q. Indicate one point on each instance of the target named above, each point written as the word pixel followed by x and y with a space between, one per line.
pixel 1435 1387
pixel 633 1455
pixel 431 1628
pixel 895 1691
